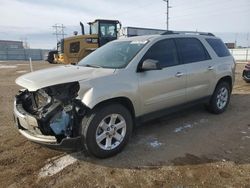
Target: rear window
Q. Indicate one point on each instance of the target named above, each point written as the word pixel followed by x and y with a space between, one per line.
pixel 191 50
pixel 219 47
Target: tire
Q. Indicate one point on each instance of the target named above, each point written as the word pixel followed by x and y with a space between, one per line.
pixel 220 98
pixel 106 130
pixel 50 57
pixel 244 76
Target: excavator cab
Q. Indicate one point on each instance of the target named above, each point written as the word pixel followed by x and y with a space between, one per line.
pixel 106 30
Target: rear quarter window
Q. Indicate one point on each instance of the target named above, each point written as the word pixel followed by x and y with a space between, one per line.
pixel 219 47
pixel 191 50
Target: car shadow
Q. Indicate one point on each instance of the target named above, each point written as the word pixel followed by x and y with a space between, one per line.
pixel 189 137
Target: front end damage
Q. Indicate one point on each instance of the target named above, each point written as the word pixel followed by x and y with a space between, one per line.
pixel 51 116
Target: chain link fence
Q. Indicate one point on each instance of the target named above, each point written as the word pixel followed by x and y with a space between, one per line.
pixel 241 54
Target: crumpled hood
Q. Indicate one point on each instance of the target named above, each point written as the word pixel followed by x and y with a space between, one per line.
pixel 59 75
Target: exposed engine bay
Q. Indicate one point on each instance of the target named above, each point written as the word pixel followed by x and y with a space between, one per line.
pixel 56 108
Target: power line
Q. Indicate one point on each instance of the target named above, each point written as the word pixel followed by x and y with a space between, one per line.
pixel 59 31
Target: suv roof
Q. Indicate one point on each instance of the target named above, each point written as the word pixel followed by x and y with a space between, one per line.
pixel 187 32
pixel 175 33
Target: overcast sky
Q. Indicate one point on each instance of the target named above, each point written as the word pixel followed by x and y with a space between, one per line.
pixel 33 19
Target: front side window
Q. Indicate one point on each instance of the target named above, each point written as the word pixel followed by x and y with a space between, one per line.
pixel 164 52
pixel 219 47
pixel 74 47
pixel 191 50
pixel 113 55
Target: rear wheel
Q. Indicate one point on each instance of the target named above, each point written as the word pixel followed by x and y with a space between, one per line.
pixel 107 130
pixel 220 98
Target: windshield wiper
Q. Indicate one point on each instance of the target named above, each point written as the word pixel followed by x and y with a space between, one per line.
pixel 91 65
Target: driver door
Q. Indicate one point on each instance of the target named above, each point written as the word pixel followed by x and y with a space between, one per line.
pixel 163 88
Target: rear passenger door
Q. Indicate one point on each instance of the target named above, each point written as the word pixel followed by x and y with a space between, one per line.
pixel 199 66
pixel 166 87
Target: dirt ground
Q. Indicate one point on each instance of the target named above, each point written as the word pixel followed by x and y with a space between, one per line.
pixel 189 149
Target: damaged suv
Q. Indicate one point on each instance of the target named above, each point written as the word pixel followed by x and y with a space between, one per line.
pixel 94 105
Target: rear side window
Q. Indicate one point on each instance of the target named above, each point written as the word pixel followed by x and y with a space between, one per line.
pixel 191 50
pixel 74 47
pixel 164 52
pixel 219 47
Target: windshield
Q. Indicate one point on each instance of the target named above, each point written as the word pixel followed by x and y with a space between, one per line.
pixel 113 55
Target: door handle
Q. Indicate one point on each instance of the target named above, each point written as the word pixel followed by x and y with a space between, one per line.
pixel 210 68
pixel 179 74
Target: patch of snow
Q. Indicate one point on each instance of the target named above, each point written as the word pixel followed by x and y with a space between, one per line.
pixel 179 129
pixel 57 165
pixel 155 144
pixel 245 137
pixel 8 66
pixel 243 132
pixel 21 71
pixel 203 120
pixel 22 64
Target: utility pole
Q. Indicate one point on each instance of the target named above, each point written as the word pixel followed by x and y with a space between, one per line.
pixel 59 31
pixel 25 42
pixel 236 35
pixel 247 46
pixel 167 14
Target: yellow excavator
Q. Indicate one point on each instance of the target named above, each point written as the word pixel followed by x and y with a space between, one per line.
pixel 71 50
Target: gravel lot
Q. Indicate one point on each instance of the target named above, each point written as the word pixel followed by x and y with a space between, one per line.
pixel 189 149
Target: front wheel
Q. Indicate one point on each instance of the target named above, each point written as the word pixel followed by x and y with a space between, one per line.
pixel 107 130
pixel 220 98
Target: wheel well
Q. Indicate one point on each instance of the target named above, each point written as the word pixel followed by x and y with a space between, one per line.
pixel 120 100
pixel 227 79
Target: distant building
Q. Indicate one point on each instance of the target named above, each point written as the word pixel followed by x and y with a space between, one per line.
pixel 15 50
pixel 7 44
pixel 230 45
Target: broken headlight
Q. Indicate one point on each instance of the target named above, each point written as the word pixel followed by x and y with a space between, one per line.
pixel 41 98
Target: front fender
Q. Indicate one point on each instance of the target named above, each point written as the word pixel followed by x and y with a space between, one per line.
pixel 95 95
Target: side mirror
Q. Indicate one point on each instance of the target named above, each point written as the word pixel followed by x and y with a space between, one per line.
pixel 150 64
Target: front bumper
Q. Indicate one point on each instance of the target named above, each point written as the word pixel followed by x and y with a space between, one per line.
pixel 28 127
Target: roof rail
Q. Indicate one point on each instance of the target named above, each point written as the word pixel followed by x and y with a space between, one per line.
pixel 187 32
